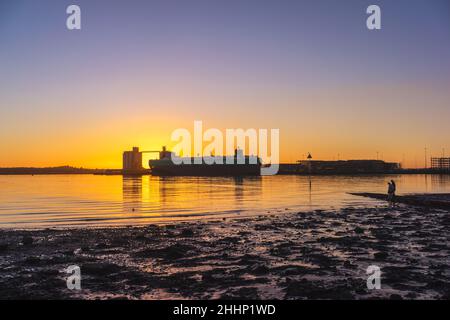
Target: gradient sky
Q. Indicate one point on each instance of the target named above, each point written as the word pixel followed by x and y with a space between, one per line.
pixel 140 69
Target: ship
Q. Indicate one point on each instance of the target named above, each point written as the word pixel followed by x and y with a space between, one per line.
pixel 237 165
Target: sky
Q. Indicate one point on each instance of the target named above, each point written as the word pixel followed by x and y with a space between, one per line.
pixel 137 70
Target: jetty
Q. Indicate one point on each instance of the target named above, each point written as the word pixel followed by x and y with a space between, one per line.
pixel 429 200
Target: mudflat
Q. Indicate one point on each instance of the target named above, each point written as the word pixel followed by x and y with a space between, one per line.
pixel 306 255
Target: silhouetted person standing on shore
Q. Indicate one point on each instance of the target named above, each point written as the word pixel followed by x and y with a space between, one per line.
pixel 391 192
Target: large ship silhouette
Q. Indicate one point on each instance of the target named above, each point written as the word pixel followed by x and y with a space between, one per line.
pixel 169 164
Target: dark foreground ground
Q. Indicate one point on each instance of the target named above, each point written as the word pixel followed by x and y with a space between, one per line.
pixel 311 255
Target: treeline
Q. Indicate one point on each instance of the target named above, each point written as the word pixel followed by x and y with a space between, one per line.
pixel 49 170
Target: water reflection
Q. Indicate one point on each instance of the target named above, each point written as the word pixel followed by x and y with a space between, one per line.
pixel 132 193
pixel 113 200
pixel 246 187
pixel 310 190
pixel 439 181
pixel 180 194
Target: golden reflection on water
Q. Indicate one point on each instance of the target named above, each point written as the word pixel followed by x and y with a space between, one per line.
pixel 95 200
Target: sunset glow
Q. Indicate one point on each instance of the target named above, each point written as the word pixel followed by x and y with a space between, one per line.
pixel 130 77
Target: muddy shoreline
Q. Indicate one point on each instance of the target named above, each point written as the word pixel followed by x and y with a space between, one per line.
pixel 306 255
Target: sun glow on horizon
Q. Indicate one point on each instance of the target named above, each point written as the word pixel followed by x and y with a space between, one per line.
pixel 331 87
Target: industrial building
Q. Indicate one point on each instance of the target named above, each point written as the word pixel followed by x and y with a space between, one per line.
pixel 440 164
pixel 346 166
pixel 132 161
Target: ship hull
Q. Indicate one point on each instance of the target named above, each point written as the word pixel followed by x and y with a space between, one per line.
pixel 207 170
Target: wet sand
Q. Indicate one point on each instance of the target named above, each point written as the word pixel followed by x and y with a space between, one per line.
pixel 305 255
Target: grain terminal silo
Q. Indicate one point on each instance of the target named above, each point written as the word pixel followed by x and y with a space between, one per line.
pixel 132 160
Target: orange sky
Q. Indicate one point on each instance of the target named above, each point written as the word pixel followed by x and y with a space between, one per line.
pixel 328 127
pixel 313 71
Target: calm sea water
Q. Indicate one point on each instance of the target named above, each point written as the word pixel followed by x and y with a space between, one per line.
pixel 90 200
